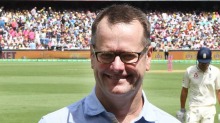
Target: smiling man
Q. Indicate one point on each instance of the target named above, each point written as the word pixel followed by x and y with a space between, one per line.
pixel 120 56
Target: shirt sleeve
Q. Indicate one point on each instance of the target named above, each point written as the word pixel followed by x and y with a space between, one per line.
pixel 217 81
pixel 185 81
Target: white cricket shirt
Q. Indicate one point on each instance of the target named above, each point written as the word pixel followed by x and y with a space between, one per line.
pixel 202 86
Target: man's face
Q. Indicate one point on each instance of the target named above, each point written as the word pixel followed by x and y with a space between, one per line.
pixel 118 78
pixel 203 66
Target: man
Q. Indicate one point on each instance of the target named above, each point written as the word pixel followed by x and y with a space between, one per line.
pixel 120 55
pixel 166 52
pixel 203 82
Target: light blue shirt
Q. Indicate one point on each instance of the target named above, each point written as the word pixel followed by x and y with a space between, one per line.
pixel 90 110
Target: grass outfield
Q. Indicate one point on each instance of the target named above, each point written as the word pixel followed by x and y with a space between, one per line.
pixel 29 90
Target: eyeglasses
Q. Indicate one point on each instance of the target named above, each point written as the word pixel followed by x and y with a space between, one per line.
pixel 126 57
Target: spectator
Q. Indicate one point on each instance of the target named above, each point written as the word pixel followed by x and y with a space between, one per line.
pixel 2 23
pixel 173 26
pixel 118 95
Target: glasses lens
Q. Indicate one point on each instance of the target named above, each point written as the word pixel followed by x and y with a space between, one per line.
pixel 129 57
pixel 106 57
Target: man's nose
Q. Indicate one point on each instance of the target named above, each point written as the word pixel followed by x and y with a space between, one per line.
pixel 117 64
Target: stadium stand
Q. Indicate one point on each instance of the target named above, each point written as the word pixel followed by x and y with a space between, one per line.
pixel 56 26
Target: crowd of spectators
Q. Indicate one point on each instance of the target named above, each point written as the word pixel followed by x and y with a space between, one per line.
pixel 47 28
pixel 185 31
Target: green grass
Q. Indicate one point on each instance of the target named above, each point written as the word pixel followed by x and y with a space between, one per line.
pixel 29 90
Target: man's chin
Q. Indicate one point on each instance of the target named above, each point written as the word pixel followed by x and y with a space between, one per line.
pixel 120 91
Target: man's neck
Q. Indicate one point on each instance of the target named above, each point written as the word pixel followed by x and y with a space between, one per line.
pixel 125 108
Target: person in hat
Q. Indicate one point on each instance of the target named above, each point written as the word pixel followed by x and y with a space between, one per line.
pixel 203 83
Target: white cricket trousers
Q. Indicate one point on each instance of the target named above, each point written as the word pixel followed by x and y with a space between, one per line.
pixel 201 114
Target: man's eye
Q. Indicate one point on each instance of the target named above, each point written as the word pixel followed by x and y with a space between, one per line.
pixel 129 56
pixel 106 55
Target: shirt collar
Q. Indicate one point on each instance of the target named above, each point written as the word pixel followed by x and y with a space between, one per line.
pixel 94 107
pixel 208 69
pixel 147 114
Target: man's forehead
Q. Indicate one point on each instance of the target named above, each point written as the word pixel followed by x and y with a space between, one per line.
pixel 105 22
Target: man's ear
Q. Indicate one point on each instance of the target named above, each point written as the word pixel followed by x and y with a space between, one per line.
pixel 148 58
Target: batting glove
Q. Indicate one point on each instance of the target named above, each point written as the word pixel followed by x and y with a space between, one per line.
pixel 181 115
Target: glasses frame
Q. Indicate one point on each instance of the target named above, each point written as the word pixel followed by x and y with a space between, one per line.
pixel 119 54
